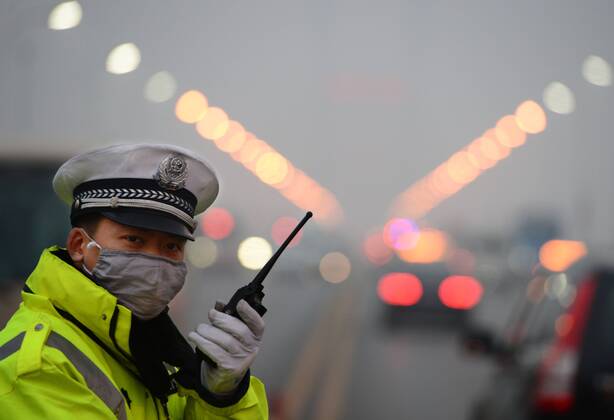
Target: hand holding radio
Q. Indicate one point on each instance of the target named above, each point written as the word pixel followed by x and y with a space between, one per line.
pixel 231 343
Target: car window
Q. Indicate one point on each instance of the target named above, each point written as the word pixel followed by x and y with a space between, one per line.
pixel 541 328
pixel 541 305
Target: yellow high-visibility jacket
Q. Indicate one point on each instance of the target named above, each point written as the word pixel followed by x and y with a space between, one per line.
pixel 51 369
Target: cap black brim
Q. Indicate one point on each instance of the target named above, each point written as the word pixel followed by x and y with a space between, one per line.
pixel 152 220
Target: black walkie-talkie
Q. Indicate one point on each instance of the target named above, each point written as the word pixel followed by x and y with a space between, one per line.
pixel 252 293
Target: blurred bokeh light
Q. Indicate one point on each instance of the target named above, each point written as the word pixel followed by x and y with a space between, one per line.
pixel 400 234
pixel 597 71
pixel 461 168
pixel 335 267
pixel 65 15
pixel 478 157
pixel 509 133
pixel 559 98
pixel 531 117
pixel 559 255
pixel 160 87
pixel 202 252
pixel 123 59
pixel 271 168
pixel 234 138
pixel 400 289
pixel 191 107
pixel 254 252
pixel 460 292
pixel 251 148
pixel 492 147
pixel 214 124
pixel 217 223
pixel 431 247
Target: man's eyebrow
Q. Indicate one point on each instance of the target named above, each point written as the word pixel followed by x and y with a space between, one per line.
pixel 176 239
pixel 133 231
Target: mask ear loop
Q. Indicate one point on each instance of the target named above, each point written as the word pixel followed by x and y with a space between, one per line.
pixel 90 244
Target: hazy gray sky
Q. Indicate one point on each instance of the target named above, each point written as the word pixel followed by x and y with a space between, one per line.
pixel 364 96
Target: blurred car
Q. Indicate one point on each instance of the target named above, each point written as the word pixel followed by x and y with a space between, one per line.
pixel 427 292
pixel 555 359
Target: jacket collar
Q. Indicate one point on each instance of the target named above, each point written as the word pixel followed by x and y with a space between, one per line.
pixel 69 290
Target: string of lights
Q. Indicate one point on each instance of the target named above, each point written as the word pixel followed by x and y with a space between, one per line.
pixel 467 164
pixel 257 156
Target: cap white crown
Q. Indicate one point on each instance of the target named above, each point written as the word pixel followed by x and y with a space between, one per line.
pixel 140 161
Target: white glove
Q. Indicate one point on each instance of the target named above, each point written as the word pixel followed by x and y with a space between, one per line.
pixel 231 343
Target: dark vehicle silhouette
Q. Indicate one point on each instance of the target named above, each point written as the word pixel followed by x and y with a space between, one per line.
pixel 427 293
pixel 555 359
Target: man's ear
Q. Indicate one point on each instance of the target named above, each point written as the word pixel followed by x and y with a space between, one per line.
pixel 75 245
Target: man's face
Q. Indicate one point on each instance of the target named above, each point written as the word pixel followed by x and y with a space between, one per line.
pixel 113 235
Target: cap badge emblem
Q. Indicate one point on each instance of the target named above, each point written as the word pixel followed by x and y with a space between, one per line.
pixel 172 172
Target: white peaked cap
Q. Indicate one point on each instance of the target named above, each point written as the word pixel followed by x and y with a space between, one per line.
pixel 152 186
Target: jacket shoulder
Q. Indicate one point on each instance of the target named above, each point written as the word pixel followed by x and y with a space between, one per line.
pixel 29 343
pixel 39 373
pixel 21 350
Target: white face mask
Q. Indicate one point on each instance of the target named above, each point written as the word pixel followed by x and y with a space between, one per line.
pixel 144 283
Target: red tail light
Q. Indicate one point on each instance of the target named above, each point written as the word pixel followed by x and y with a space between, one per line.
pixel 460 292
pixel 555 381
pixel 400 289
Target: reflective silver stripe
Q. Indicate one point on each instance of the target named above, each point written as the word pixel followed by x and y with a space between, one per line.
pixel 11 347
pixel 139 203
pixel 96 380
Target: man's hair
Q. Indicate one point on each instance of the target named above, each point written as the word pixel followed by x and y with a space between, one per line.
pixel 89 222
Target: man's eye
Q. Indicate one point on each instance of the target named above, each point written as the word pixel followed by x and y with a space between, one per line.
pixel 133 239
pixel 173 247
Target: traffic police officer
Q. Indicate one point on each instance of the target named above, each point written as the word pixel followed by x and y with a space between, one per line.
pixel 92 338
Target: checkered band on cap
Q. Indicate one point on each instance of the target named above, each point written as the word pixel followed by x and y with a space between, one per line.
pixel 147 194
